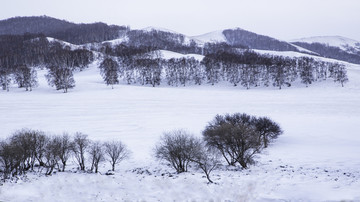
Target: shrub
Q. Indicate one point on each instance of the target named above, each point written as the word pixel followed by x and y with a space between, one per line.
pixel 235 137
pixel 177 147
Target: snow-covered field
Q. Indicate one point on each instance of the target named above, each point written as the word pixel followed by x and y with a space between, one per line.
pixel 316 159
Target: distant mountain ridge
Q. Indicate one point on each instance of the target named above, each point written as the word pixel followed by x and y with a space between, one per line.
pixel 349 45
pixel 60 29
pixel 336 47
pixel 339 48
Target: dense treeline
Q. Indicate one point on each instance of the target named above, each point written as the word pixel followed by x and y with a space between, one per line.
pixel 236 37
pixel 331 52
pixel 89 33
pixel 162 40
pixel 21 54
pixel 245 68
pixel 61 29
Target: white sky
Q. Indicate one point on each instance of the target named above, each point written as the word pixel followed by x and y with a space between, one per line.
pixel 283 19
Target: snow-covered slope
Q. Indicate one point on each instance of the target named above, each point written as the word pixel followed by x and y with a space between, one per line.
pixel 64 43
pixel 316 159
pixel 187 39
pixel 338 41
pixel 152 28
pixel 211 37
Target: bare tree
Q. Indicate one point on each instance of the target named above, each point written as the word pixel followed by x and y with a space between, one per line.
pixel 206 159
pixel 177 147
pixel 26 77
pixel 52 152
pixel 65 149
pixel 96 152
pixel 236 138
pixel 268 129
pixel 116 152
pixel 79 146
pixel 109 70
pixel 10 158
pixel 61 77
pixel 340 74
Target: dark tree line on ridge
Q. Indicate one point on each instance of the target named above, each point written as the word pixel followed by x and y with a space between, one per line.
pixel 61 29
pixel 325 50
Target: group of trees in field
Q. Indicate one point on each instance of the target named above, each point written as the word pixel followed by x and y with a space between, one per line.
pixel 245 68
pixel 33 150
pixel 251 69
pixel 22 55
pixel 236 137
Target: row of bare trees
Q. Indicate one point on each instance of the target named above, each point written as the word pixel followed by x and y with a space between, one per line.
pixel 236 137
pixel 28 149
pixel 246 68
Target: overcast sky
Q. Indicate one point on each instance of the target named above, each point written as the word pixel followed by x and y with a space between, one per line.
pixel 283 19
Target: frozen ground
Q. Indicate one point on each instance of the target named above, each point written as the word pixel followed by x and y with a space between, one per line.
pixel 316 159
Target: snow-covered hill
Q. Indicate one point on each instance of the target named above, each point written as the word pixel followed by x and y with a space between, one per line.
pixel 343 43
pixel 211 37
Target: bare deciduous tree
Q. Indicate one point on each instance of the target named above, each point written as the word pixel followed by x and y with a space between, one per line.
pixel 236 138
pixel 116 152
pixel 268 129
pixel 79 146
pixel 65 149
pixel 96 152
pixel 177 147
